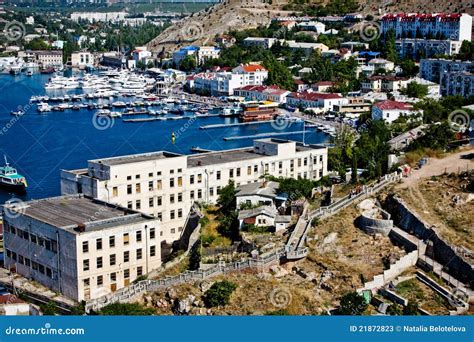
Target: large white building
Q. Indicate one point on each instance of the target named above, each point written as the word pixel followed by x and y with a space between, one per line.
pixel 80 247
pixel 224 83
pixel 82 59
pixel 166 184
pixel 440 26
pixel 309 99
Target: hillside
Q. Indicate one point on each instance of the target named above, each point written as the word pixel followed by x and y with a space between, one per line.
pixel 201 27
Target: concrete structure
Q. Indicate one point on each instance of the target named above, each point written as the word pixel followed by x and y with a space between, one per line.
pixel 184 52
pixel 312 26
pixel 307 48
pixel 80 247
pixel 325 101
pixel 354 108
pixel 166 184
pixel 82 59
pixel 206 53
pixel 263 217
pixel 390 111
pixel 263 93
pixel 454 77
pixel 265 43
pixel 416 25
pixel 414 48
pixel 99 16
pixel 380 63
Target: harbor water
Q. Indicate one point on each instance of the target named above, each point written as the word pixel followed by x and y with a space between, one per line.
pixel 40 145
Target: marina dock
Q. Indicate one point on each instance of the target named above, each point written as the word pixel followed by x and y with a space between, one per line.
pixel 262 135
pixel 235 124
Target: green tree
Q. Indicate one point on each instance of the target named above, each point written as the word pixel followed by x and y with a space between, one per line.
pixel 126 309
pixel 416 90
pixel 411 309
pixel 352 304
pixel 188 63
pixel 226 200
pixel 219 294
pixel 195 256
pixel 409 68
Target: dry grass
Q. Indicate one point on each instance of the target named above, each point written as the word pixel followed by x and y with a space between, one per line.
pixel 210 229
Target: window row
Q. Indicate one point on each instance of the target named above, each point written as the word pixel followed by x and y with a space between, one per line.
pixel 49 244
pixel 112 277
pixel 30 263
pixel 99 261
pixel 112 240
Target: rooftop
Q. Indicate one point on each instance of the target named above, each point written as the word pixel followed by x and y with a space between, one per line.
pixel 135 158
pixel 266 189
pixel 72 211
pixel 391 105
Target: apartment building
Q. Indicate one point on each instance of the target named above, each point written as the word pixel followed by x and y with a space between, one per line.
pixel 82 59
pixel 166 185
pixel 457 83
pixel 415 25
pixel 309 99
pixel 390 111
pixel 263 93
pixel 432 69
pixel 414 48
pixel 44 58
pixel 80 247
pixel 383 83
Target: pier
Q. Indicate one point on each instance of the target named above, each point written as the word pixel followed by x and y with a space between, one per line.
pixel 235 124
pixel 260 135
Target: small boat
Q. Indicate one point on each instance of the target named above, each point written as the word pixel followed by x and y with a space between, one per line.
pixel 119 104
pixel 17 112
pixel 29 73
pixel 11 179
pixel 47 71
pixel 44 107
pixel 103 112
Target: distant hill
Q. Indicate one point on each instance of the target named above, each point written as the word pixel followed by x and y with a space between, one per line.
pixel 201 27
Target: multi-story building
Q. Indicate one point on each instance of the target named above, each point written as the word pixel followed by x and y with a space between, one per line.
pixel 454 77
pixel 312 26
pixel 441 26
pixel 263 93
pixel 383 83
pixel 414 48
pixel 82 59
pixel 224 83
pixel 390 111
pixel 80 247
pixel 166 184
pixel 309 99
pixel 206 53
pixel 432 69
pixel 457 83
pixel 44 58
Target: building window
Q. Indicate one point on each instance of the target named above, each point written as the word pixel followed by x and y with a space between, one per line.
pixel 150 186
pixel 255 168
pixel 126 273
pixel 129 189
pixel 139 236
pixel 152 251
pixel 152 233
pixel 113 259
pixel 199 193
pixel 126 239
pixel 85 265
pixel 137 188
pixel 200 178
pixel 139 254
pixel 180 213
pixel 85 246
pixel 130 205
pixel 180 181
pixel 218 175
pixel 98 244
pixel 158 173
pixel 231 173
pixel 238 172
pixel 191 179
pixel 150 174
pixel 137 176
pixel 151 202
pixel 173 230
pixel 111 241
pixel 86 282
pixel 172 198
pixel 159 200
pixel 113 277
pixel 129 178
pixel 211 191
pixel 139 271
pixel 138 204
pixel 100 280
pixel 172 215
pixel 180 197
pixel 99 262
pixel 191 194
pixel 114 191
pixel 249 170
pixel 126 256
pixel 180 170
pixel 171 182
pixel 159 185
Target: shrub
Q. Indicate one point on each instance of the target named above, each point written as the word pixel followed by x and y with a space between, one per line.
pixel 126 309
pixel 219 293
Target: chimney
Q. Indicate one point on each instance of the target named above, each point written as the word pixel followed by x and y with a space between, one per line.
pixel 81 228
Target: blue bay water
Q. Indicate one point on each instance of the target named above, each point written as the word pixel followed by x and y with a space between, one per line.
pixel 39 146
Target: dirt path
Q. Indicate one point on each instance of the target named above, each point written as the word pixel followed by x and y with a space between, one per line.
pixel 435 167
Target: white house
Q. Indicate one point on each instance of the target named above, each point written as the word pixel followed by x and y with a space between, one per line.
pixel 390 111
pixel 325 101
pixel 260 194
pixel 82 59
pixel 263 93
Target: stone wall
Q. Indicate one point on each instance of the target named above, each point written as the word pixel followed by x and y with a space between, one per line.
pixel 372 225
pixel 441 250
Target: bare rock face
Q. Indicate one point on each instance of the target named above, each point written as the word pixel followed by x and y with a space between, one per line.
pixel 184 306
pixel 171 294
pixel 205 285
pixel 278 271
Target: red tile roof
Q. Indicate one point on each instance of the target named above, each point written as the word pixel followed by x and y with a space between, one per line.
pixel 310 96
pixel 10 299
pixel 391 105
pixel 252 67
